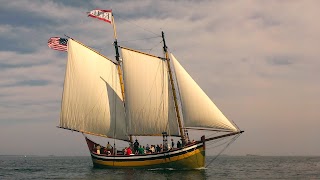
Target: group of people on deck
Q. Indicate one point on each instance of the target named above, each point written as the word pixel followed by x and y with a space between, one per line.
pixel 104 150
pixel 136 148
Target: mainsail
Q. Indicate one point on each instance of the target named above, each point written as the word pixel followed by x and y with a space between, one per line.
pixel 92 100
pixel 149 109
pixel 197 108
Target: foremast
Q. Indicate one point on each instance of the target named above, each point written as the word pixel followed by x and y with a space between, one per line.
pixel 181 129
pixel 118 57
pixel 115 43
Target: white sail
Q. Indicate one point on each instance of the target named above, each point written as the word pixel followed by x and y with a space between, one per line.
pixel 172 116
pixel 146 91
pixel 197 108
pixel 92 100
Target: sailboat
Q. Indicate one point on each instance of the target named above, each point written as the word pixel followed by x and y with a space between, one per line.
pixel 137 95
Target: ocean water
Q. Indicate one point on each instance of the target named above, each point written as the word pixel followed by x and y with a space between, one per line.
pixel 224 167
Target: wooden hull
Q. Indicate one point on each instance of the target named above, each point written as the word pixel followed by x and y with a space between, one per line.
pixel 189 157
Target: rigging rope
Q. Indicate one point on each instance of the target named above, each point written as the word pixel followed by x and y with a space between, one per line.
pixel 154 46
pixel 231 141
pixel 136 25
pixel 139 39
pixel 216 141
pixel 147 30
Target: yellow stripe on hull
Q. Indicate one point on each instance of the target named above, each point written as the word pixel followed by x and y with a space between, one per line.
pixel 188 160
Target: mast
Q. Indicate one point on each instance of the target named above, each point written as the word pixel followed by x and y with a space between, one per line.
pixel 118 57
pixel 119 63
pixel 165 49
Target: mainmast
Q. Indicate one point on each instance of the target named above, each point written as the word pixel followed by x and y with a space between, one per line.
pixel 165 49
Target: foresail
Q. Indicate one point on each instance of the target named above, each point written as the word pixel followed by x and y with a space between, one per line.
pixel 197 108
pixel 92 100
pixel 147 96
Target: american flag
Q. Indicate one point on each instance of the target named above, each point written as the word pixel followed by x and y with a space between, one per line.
pixel 57 43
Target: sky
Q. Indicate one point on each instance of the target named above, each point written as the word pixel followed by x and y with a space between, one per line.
pixel 259 61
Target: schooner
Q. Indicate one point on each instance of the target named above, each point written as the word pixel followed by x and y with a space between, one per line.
pixel 138 95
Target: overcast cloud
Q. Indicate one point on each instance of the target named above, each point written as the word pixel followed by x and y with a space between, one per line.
pixel 258 60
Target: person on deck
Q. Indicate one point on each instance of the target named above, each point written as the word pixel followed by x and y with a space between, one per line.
pixel 129 152
pixel 124 151
pixel 98 149
pixel 152 149
pixel 144 150
pixel 178 144
pixel 172 143
pixel 158 149
pixel 109 147
pixel 140 150
pixel 135 146
pixel 147 148
pixel 189 142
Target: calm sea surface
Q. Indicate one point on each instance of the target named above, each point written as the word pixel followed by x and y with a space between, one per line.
pixel 224 167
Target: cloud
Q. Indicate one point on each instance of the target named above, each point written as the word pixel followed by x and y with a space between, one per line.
pixel 38 9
